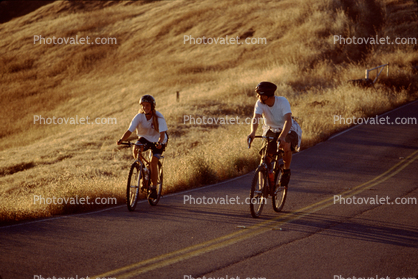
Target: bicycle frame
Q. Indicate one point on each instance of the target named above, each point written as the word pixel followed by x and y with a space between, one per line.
pixel 262 186
pixel 140 158
pixel 276 157
pixel 142 167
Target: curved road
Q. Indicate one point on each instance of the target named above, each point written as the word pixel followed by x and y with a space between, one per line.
pixel 365 234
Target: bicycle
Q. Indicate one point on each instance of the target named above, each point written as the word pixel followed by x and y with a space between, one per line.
pixel 261 187
pixel 140 178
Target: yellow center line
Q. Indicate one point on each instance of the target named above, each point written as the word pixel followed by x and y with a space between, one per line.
pixel 232 238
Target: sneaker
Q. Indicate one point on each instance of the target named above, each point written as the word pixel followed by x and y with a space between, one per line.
pixel 284 180
pixel 271 183
pixel 271 178
pixel 153 194
pixel 144 186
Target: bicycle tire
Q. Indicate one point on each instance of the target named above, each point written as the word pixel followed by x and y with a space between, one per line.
pixel 132 189
pixel 259 185
pixel 159 189
pixel 280 193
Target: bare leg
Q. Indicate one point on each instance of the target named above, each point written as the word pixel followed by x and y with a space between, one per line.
pixel 154 171
pixel 287 159
pixel 287 156
pixel 135 151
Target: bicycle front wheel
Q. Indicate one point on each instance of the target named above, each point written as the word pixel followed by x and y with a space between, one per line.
pixel 154 201
pixel 132 189
pixel 257 198
pixel 280 193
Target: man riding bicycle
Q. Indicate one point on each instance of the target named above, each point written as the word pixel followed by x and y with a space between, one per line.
pixel 151 128
pixel 277 118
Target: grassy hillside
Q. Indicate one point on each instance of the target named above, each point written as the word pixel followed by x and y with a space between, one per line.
pixel 217 80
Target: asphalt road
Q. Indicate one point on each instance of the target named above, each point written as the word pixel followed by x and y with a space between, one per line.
pixel 314 236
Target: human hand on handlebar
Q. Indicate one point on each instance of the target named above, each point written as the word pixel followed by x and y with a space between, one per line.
pixel 250 139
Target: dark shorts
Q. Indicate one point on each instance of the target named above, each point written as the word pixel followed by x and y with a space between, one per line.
pixel 149 145
pixel 292 138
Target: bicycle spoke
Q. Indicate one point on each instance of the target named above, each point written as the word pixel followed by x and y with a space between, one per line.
pixel 132 190
pixel 154 201
pixel 257 200
pixel 279 196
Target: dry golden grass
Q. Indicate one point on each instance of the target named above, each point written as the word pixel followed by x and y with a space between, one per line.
pixel 214 80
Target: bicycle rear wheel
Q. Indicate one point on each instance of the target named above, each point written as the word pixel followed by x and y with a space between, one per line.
pixel 159 189
pixel 280 193
pixel 132 189
pixel 257 198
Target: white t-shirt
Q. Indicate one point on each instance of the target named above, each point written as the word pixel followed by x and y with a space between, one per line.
pixel 145 129
pixel 273 116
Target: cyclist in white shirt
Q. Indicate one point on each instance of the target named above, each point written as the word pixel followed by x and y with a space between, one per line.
pixel 151 129
pixel 277 117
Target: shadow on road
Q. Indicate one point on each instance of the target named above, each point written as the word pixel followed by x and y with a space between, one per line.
pixel 359 229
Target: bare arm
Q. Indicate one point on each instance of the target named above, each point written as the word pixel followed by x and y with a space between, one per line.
pixel 286 127
pixel 161 139
pixel 124 137
pixel 254 125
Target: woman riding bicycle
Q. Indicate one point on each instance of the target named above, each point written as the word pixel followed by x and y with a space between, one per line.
pixel 151 128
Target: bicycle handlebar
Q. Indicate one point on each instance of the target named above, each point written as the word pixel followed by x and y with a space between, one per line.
pixel 129 144
pixel 260 137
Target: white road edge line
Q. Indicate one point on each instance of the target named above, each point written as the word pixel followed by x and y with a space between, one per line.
pixel 119 206
pixel 349 129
